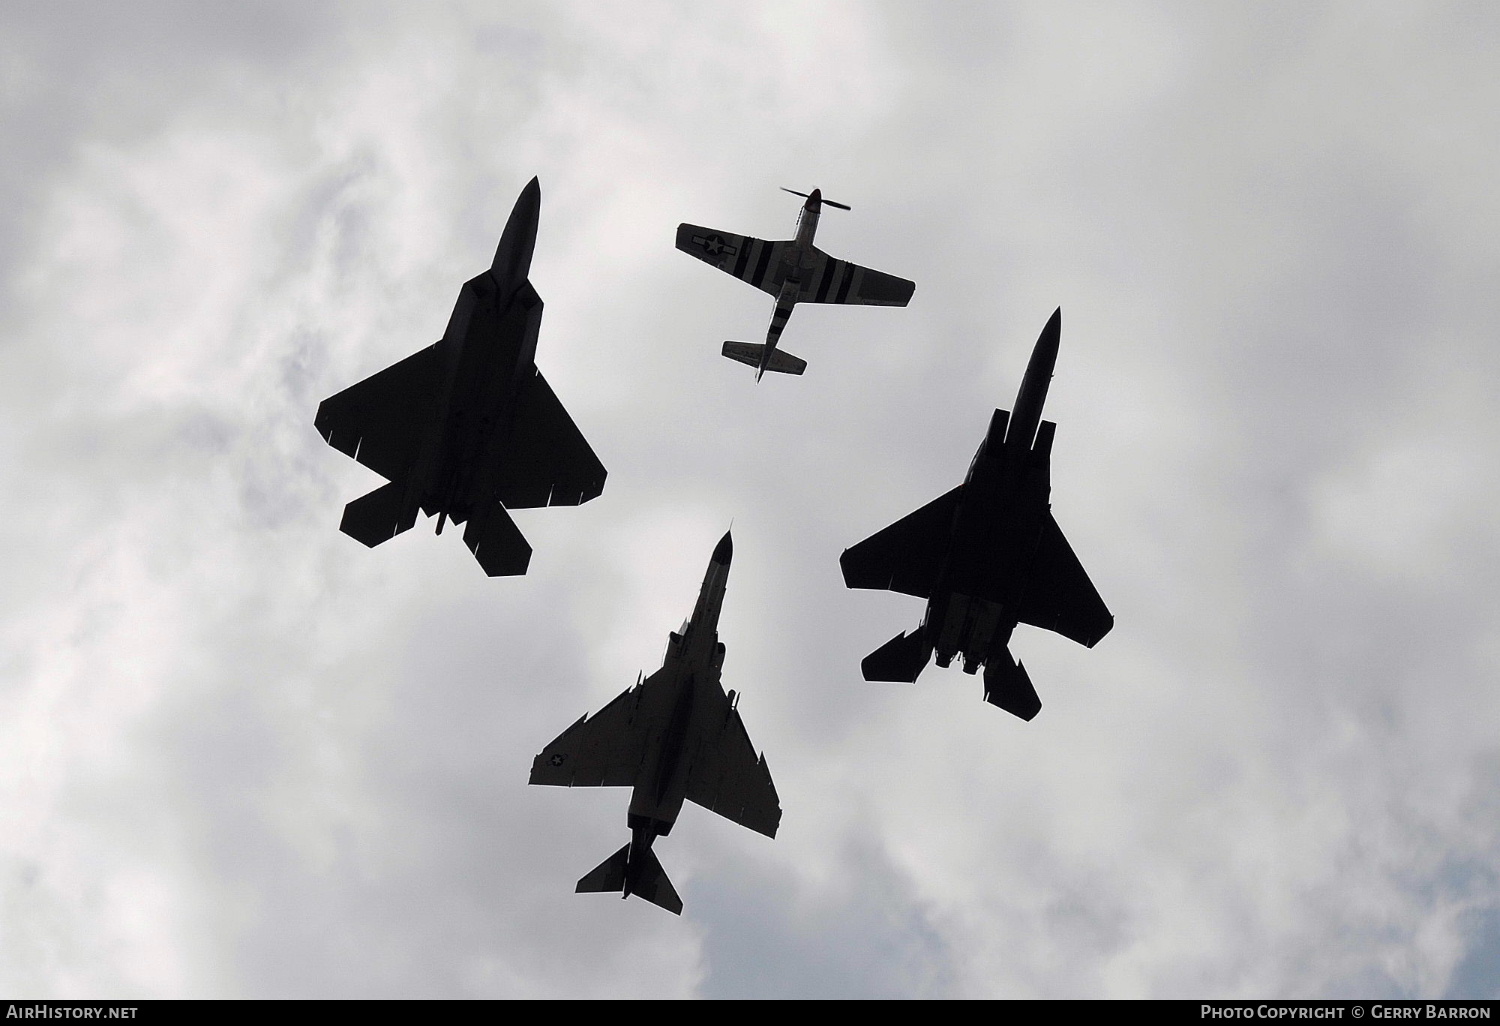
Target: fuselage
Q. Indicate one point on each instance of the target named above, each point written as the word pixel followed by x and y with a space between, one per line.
pixel 489 343
pixel 682 696
pixel 807 219
pixel 798 258
pixel 998 524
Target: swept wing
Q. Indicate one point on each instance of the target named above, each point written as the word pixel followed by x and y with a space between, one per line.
pixel 727 776
pixel 1060 596
pixel 548 461
pixel 908 555
pixel 381 420
pixel 602 750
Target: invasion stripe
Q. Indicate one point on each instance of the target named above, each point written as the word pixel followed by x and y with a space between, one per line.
pixel 759 277
pixel 753 250
pixel 840 274
pixel 739 265
pixel 828 263
pixel 844 288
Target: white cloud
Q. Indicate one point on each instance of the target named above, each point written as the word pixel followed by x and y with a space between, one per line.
pixel 244 755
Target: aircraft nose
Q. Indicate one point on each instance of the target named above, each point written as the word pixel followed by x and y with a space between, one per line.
pixel 724 551
pixel 512 261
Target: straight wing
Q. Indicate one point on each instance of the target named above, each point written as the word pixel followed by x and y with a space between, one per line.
pixel 602 750
pixel 727 777
pixel 754 260
pixel 381 420
pixel 548 461
pixel 908 555
pixel 838 281
pixel 1060 597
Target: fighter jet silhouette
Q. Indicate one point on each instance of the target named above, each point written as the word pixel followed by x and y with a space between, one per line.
pixel 986 556
pixel 677 736
pixel 794 271
pixel 468 426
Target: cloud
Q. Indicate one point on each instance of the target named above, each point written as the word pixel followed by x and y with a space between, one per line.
pixel 245 756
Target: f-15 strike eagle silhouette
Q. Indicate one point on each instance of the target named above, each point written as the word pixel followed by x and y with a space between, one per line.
pixel 986 556
pixel 468 426
pixel 676 736
pixel 794 271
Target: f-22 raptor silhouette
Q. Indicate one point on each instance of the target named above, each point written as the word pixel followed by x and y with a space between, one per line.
pixel 468 426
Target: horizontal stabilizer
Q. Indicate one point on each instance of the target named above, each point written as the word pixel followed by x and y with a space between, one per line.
pixel 751 353
pixel 900 659
pixel 747 353
pixel 783 362
pixel 1008 685
pixel 651 882
pixel 378 516
pixel 607 876
pixel 497 543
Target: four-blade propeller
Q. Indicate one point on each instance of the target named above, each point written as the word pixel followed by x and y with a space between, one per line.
pixel 828 202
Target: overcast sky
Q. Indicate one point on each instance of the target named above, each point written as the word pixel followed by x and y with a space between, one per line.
pixel 243 755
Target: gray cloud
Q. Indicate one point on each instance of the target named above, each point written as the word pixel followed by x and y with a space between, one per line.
pixel 244 756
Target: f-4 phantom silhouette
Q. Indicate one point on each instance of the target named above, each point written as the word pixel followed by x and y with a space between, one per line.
pixel 794 271
pixel 468 426
pixel 986 556
pixel 677 736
